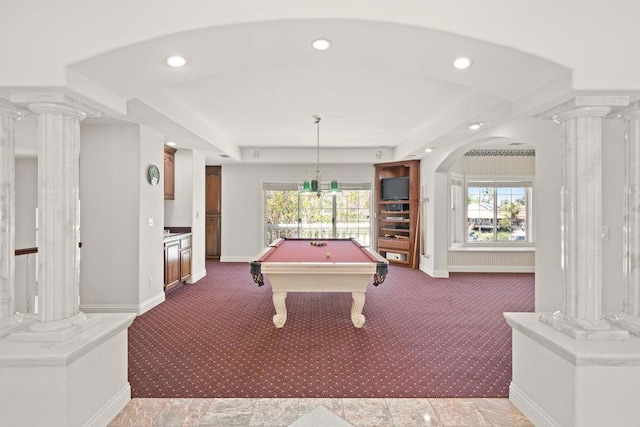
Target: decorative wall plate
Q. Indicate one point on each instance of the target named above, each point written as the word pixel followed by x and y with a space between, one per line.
pixel 153 175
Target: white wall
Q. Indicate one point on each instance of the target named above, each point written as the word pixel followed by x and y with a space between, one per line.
pixel 109 194
pixel 120 252
pixel 198 220
pixel 613 158
pixel 151 205
pixel 242 202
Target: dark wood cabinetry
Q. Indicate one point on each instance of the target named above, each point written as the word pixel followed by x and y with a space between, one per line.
pixel 397 217
pixel 213 204
pixel 169 172
pixel 177 259
pixel 171 264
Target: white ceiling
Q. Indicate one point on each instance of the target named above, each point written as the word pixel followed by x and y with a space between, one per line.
pixel 258 86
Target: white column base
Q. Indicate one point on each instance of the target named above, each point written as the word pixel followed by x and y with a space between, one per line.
pixel 583 330
pixel 82 381
pixel 561 381
pixel 14 323
pixel 61 331
pixel 625 321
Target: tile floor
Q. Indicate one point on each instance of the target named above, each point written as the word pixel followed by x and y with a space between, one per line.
pixel 306 412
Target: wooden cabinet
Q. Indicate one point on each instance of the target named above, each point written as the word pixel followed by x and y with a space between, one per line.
pixel 397 195
pixel 169 172
pixel 213 203
pixel 177 259
pixel 171 264
pixel 185 258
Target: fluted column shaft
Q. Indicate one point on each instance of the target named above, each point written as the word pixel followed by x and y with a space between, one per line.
pixel 581 225
pixel 58 211
pixel 631 303
pixel 8 116
pixel 629 317
pixel 581 216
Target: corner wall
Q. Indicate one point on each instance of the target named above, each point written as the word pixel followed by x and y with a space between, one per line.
pixel 120 252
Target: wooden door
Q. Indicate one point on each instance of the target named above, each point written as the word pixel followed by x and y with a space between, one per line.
pixel 213 203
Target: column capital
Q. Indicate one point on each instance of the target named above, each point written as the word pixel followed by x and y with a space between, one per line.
pixel 585 106
pixel 55 103
pixel 7 109
pixel 629 113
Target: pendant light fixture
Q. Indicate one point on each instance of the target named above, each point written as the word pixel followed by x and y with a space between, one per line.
pixel 314 185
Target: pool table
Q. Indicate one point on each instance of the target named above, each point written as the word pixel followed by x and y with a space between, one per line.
pixel 312 265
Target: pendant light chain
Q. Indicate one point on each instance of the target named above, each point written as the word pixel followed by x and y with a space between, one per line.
pixel 314 186
pixel 318 143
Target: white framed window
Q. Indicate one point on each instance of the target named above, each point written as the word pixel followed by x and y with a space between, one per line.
pixel 499 210
pixel 287 213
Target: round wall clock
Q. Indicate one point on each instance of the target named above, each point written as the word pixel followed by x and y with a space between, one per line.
pixel 153 175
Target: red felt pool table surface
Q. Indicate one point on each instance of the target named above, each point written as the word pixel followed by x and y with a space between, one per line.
pixel 301 250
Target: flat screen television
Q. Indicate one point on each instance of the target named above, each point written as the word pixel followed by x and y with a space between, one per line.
pixel 395 188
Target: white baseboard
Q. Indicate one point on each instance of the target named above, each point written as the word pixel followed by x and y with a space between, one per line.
pixel 529 408
pixel 440 274
pixel 111 409
pixel 151 302
pixel 124 308
pixel 109 308
pixel 234 259
pixel 197 276
pixel 491 269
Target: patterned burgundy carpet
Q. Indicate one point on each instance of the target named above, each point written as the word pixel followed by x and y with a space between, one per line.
pixel 423 337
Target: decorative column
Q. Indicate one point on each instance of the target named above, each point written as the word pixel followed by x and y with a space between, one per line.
pixel 58 216
pixel 629 318
pixel 9 319
pixel 581 222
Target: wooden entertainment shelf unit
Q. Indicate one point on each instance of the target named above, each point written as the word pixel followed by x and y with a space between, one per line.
pixel 397 211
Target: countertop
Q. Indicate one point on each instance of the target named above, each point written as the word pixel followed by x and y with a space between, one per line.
pixel 168 237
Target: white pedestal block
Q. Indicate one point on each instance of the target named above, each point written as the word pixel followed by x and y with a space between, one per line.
pixel 560 381
pixel 77 382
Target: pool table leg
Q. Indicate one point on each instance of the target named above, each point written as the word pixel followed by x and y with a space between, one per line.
pixel 280 317
pixel 356 309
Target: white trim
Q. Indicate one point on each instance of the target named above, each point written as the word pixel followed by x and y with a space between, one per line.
pixel 124 308
pixel 441 274
pixel 111 409
pixel 529 408
pixel 516 247
pixel 197 276
pixel 235 259
pixel 491 269
pixel 151 302
pixel 109 308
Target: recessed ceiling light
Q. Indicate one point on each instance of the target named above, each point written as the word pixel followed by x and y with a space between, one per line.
pixel 321 44
pixel 176 61
pixel 428 150
pixel 475 126
pixel 461 63
pixel 171 144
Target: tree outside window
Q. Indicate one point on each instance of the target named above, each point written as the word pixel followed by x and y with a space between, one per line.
pixel 497 211
pixel 287 213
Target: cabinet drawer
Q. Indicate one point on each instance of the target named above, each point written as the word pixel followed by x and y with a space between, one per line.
pixel 185 242
pixel 402 244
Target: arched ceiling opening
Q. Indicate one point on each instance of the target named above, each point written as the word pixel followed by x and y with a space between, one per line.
pixel 258 85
